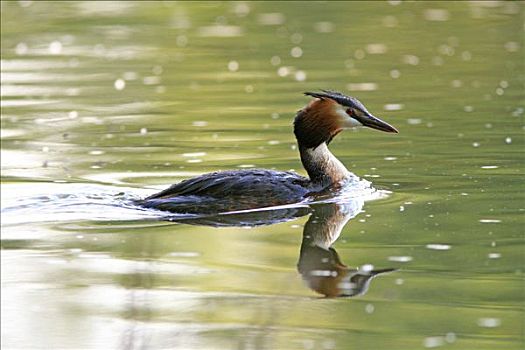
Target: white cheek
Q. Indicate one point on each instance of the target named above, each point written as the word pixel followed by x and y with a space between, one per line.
pixel 350 122
pixel 346 120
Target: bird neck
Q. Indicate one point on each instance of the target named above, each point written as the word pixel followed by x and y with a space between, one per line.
pixel 322 166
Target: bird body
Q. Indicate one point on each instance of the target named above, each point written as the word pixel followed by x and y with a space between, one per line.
pixel 314 127
pixel 233 190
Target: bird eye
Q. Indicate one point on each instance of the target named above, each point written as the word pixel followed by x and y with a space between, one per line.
pixel 350 112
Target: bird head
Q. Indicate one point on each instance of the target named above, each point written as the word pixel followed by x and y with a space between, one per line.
pixel 330 113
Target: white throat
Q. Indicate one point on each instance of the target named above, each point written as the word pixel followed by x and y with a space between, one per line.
pixel 322 165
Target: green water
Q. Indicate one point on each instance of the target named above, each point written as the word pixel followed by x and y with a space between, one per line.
pixel 103 102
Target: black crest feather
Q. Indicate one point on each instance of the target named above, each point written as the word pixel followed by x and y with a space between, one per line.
pixel 338 97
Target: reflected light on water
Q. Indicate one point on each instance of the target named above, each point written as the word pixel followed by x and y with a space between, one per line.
pixel 438 246
pixel 361 86
pixel 220 31
pixel 271 19
pixel 402 259
pixel 489 322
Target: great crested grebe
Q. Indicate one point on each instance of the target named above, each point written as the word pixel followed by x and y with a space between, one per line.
pixel 314 127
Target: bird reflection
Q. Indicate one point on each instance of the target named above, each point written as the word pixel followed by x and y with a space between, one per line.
pixel 319 263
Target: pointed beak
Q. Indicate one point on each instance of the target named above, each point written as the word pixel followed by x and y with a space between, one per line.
pixel 376 123
pixel 381 271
